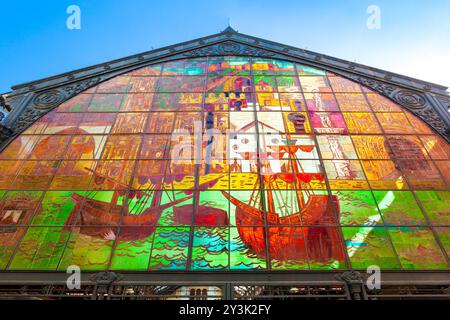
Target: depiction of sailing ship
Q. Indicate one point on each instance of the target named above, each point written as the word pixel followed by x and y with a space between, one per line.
pixel 286 239
pixel 200 215
pixel 137 223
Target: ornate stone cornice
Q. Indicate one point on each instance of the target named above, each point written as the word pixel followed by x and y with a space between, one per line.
pixel 229 48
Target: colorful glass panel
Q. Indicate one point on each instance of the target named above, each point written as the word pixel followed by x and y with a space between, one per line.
pixel 226 163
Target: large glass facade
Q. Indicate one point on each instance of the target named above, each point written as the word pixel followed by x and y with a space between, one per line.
pixel 226 163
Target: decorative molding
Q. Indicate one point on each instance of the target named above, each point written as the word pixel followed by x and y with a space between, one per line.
pixel 5 133
pixel 105 278
pixel 350 277
pixel 229 48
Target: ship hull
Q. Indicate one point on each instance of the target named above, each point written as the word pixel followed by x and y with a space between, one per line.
pixel 286 239
pixel 204 216
pixel 101 219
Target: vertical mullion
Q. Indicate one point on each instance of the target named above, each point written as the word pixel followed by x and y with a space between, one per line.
pixel 196 192
pixel 260 176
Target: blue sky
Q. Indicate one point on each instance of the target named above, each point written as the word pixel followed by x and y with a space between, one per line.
pixel 414 38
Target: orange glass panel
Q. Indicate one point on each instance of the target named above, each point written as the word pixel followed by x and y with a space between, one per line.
pixel 113 175
pixel 383 174
pixel 341 84
pixel 73 175
pixel 406 147
pixel 382 104
pixel 371 147
pixel 137 102
pixel 436 146
pixel 122 147
pixel 160 122
pixel 418 125
pixel 352 102
pixel 359 122
pixel 93 123
pixel 85 147
pixel 130 123
pixel 395 122
pixel 421 174
pixel 35 175
pixel 444 168
pixel 19 148
pixel 8 172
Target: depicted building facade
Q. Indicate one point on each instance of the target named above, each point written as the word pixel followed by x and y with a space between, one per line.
pixel 227 166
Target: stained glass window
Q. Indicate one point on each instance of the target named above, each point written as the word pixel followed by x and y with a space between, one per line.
pixel 226 163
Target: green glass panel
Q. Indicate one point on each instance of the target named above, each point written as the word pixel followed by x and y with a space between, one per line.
pixel 417 249
pixel 56 208
pixel 40 249
pixel 309 71
pixel 444 237
pixel 357 208
pixel 132 255
pixel 367 246
pixel 436 205
pixel 399 208
pixel 229 65
pixel 106 103
pixel 89 248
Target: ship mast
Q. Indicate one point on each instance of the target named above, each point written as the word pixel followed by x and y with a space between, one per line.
pixel 298 184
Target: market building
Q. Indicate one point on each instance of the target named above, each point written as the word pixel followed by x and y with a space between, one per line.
pixel 226 167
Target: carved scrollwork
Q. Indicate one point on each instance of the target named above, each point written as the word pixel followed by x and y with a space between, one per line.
pixel 351 277
pixel 48 99
pixel 77 87
pixel 105 278
pixel 54 97
pixel 410 99
pixel 200 52
pixel 5 133
pixel 227 48
pixel 26 119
